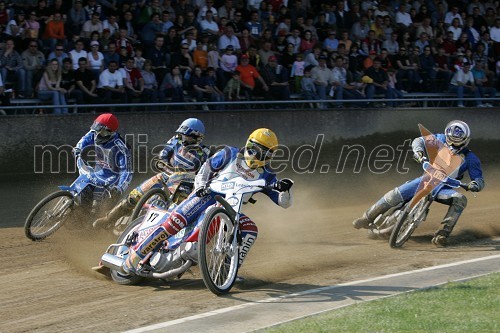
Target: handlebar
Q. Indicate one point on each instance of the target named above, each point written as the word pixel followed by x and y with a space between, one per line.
pixel 441 175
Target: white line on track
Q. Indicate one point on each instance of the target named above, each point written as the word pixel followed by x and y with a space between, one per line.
pixel 302 293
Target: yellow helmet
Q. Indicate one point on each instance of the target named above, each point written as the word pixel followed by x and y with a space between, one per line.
pixel 260 147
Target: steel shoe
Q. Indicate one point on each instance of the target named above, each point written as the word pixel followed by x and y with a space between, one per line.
pixel 361 222
pixel 440 240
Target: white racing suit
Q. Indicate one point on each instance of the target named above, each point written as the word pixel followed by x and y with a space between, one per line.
pixel 229 159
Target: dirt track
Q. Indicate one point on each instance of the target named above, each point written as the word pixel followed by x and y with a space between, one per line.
pixel 49 286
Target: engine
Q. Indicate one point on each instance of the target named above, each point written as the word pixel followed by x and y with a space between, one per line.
pixel 163 261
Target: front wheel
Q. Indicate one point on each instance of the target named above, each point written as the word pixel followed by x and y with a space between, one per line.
pixel 408 222
pixel 48 215
pixel 122 252
pixel 218 253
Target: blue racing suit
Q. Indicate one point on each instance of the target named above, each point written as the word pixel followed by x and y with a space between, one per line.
pixel 229 159
pixel 113 168
pixel 177 157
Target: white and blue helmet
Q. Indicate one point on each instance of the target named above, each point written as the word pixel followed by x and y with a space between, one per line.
pixel 457 135
pixel 191 128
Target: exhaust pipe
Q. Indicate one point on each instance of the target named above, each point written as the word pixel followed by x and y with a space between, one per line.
pixel 173 272
pixel 112 262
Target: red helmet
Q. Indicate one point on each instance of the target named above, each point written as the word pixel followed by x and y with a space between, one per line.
pixel 109 120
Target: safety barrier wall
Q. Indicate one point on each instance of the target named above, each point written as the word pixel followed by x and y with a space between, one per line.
pixel 20 134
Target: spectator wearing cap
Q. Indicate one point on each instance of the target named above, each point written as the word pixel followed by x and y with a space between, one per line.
pixel 228 63
pixel 229 38
pixel 331 43
pixel 54 31
pixel 95 59
pixel 33 63
pixel 248 75
pixel 276 77
pixel 58 53
pixel 94 24
pixel 463 83
pixel 323 78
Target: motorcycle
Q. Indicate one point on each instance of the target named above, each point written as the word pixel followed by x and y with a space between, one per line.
pixel 171 191
pixel 55 209
pixel 213 241
pixel 416 211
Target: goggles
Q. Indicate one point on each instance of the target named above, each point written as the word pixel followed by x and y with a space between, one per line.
pixel 101 129
pixel 258 151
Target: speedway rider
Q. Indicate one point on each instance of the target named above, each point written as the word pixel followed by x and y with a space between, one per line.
pixel 250 163
pixel 183 152
pixel 456 137
pixel 113 165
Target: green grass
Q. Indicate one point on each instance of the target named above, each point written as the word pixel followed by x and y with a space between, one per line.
pixel 472 306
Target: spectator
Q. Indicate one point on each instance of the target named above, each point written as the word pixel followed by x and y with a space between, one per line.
pixel 428 69
pixel 124 41
pixel 77 53
pixel 32 26
pixel 93 8
pixel 167 23
pixel 208 9
pixel 254 25
pixel 111 55
pixel 403 19
pixel 228 38
pixel 68 82
pixel 150 93
pixel 110 86
pixel 49 88
pixel 228 63
pixel 295 40
pixel 406 70
pixel 184 61
pixel 33 63
pixel 148 12
pixel 265 53
pixel 288 57
pixel 238 24
pixel 190 40
pixel 451 15
pixel 132 80
pixel 86 82
pixel 248 74
pixel 76 18
pixel 12 69
pixel 95 59
pixel 322 26
pixel 151 30
pixel 200 57
pixel 233 87
pixel 4 15
pixel 276 77
pixel 54 31
pixel 297 71
pixel 378 82
pixel 308 88
pixel 173 85
pixel 209 26
pixel 160 59
pixel 323 78
pixel 456 29
pixel 482 82
pixel 422 42
pixel 94 24
pixel 128 23
pixel 444 73
pixel 197 84
pixel 344 40
pixel 16 27
pixel 360 29
pixel 246 40
pixel 58 53
pixel 342 89
pixel 463 83
pixel 216 95
pixel 182 8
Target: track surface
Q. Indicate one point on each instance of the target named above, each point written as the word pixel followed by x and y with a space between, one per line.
pixel 49 287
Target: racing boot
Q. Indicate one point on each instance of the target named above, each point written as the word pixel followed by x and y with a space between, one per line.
pixel 389 200
pixel 124 207
pixel 458 204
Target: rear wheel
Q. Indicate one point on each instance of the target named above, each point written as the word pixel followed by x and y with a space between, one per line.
pixel 48 215
pixel 122 252
pixel 408 222
pixel 218 254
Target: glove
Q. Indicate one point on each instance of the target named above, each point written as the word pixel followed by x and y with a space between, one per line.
pixel 76 151
pixel 473 186
pixel 283 185
pixel 202 191
pixel 420 157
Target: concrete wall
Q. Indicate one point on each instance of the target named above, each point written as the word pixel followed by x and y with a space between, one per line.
pixel 19 134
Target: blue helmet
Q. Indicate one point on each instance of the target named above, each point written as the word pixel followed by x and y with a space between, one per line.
pixel 193 128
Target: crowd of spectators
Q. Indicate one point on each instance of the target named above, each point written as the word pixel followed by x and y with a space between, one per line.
pixel 119 51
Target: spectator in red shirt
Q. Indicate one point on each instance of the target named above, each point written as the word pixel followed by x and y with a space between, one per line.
pixel 54 31
pixel 248 74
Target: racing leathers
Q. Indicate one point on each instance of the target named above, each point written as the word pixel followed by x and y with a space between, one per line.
pixel 227 160
pixel 447 195
pixel 175 157
pixel 113 164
